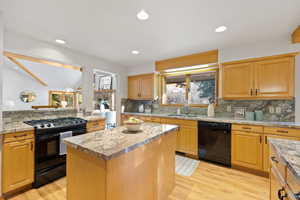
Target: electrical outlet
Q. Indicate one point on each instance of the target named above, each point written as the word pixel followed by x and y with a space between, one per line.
pixel 228 108
pixel 278 110
pixel 271 109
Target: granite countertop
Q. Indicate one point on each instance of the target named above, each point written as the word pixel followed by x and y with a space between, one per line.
pixel 107 144
pixel 21 126
pixel 289 152
pixel 223 119
pixel 15 127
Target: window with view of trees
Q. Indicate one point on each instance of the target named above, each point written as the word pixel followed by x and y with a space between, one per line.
pixel 194 89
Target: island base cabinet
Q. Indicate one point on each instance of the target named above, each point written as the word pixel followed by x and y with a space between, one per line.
pixel 18 164
pixel 147 172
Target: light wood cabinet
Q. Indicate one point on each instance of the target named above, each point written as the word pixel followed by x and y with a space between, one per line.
pixel 264 78
pixel 187 136
pixel 247 149
pixel 188 140
pixel 275 78
pixel 18 164
pixel 266 150
pixel 97 125
pixel 238 80
pixel 141 87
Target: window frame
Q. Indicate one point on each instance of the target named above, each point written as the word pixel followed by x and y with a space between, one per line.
pixel 187 75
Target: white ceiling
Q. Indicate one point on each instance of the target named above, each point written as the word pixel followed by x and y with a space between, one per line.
pixel 109 28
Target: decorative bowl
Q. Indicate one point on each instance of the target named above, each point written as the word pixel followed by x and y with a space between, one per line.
pixel 133 126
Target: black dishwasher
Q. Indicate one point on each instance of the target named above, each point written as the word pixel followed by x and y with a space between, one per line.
pixel 214 142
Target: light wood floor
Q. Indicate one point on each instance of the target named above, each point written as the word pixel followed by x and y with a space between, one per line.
pixel 209 182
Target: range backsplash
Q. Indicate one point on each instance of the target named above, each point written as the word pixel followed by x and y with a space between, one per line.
pixel 25 115
pixel 287 108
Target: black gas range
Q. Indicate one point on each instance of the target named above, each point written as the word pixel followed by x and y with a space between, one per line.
pixel 50 152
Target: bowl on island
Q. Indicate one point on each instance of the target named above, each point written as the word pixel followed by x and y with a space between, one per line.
pixel 133 124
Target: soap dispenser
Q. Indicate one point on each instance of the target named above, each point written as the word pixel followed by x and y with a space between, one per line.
pixel 211 108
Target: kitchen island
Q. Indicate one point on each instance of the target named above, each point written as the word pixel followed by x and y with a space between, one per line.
pixel 115 165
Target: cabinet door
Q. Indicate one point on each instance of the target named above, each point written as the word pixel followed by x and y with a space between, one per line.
pixel 133 87
pixel 275 78
pixel 187 141
pixel 238 81
pixel 18 164
pixel 147 87
pixel 247 149
pixel 266 150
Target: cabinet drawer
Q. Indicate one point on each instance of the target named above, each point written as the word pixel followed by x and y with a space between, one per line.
pixel 155 119
pixel 145 119
pixel 240 127
pixel 282 131
pixel 277 163
pixel 12 137
pixel 292 182
pixel 170 121
pixel 95 125
pixel 192 123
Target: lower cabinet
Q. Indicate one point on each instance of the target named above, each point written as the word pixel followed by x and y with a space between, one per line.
pixel 247 149
pixel 187 136
pixel 266 154
pixel 187 140
pixel 18 164
pixel 95 126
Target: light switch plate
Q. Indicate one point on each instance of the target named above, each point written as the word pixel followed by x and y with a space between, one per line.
pixel 278 110
pixel 271 109
pixel 228 108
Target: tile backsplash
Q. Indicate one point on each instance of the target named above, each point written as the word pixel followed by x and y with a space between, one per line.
pixel 25 115
pixel 273 110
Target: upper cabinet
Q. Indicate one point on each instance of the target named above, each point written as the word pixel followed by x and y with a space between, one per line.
pixel 141 87
pixel 264 78
pixel 238 81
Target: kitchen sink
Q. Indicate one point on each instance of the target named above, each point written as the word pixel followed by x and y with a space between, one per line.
pixel 182 115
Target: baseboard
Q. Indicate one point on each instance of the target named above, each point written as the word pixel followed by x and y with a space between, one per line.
pixel 251 171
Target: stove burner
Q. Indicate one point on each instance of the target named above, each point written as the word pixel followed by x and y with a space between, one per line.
pixel 54 123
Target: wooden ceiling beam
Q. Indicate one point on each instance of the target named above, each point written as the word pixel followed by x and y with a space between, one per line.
pixel 42 61
pixel 20 65
pixel 296 35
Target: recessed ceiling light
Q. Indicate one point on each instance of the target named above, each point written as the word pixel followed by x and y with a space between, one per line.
pixel 59 41
pixel 142 15
pixel 221 29
pixel 135 52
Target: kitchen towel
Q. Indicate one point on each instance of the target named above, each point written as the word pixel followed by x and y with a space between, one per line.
pixel 62 145
pixel 185 166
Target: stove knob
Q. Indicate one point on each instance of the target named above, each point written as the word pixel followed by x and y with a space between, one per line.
pixel 42 126
pixel 49 125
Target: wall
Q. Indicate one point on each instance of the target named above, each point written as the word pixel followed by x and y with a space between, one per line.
pixel 142 69
pixel 19 43
pixel 16 80
pixel 245 51
pixel 1 62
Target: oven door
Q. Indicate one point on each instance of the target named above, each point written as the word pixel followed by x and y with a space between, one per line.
pixel 47 152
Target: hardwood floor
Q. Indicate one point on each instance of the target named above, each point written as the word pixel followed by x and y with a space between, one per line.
pixel 209 182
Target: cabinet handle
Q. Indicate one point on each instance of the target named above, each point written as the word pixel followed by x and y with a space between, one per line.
pixel 273 158
pixel 280 196
pixel 260 139
pixel 17 136
pixel 247 128
pixel 251 92
pixel 256 92
pixel 266 140
pixel 282 131
pixel 31 146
